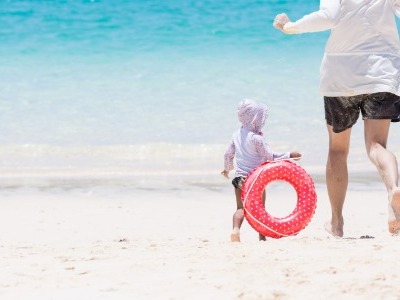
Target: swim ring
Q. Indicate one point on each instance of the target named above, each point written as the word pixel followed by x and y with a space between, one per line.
pixel 254 210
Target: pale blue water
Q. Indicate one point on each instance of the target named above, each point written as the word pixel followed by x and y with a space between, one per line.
pixel 139 85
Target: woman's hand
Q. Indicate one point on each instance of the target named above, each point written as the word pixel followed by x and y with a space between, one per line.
pixel 283 23
pixel 280 21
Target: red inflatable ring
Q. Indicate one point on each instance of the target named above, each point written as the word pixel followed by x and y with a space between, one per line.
pixel 254 209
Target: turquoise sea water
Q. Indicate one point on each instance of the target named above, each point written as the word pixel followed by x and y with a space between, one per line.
pixel 152 86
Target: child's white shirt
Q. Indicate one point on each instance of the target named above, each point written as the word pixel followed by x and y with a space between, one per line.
pixel 250 150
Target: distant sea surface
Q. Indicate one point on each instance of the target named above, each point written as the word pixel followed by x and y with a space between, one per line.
pixel 152 86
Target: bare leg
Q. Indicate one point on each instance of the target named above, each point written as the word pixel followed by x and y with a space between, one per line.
pixel 238 217
pixel 376 133
pixel 260 236
pixel 337 177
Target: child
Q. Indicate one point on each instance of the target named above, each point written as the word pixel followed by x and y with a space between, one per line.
pixel 250 150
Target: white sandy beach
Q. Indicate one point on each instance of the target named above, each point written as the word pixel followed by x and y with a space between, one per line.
pixel 111 243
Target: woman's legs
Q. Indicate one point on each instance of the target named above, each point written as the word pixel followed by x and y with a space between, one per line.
pixel 376 133
pixel 337 177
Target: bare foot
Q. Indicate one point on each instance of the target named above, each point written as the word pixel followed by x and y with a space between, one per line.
pixel 394 223
pixel 335 231
pixel 235 235
pixel 394 227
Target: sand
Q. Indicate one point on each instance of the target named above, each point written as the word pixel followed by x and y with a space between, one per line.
pixel 116 243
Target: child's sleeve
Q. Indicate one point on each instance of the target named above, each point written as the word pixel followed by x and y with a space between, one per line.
pixel 265 151
pixel 228 157
pixel 323 19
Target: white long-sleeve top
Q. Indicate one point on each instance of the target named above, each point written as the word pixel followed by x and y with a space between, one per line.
pixel 250 150
pixel 362 55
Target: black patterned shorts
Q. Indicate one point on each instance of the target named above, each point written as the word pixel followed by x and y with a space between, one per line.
pixel 343 112
pixel 237 182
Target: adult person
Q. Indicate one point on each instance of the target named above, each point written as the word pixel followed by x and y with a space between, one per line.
pixel 360 72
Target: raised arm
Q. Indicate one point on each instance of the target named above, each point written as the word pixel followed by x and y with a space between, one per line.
pixel 396 6
pixel 320 20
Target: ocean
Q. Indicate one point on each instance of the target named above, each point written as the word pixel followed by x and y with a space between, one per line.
pixel 144 88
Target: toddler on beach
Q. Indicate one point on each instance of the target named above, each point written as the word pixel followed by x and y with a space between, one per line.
pixel 250 149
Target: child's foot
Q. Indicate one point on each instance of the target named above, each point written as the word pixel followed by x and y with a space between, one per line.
pixel 394 223
pixel 235 235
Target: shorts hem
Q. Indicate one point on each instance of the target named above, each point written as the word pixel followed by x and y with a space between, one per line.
pixel 341 130
pixel 381 118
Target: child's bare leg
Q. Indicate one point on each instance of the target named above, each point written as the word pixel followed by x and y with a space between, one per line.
pixel 238 217
pixel 237 223
pixel 260 236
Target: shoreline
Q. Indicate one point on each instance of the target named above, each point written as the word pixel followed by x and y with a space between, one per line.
pixel 89 178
